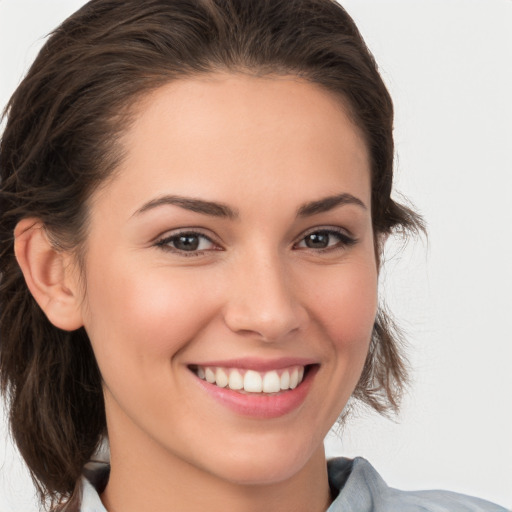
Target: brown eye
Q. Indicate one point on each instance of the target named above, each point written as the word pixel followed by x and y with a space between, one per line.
pixel 325 239
pixel 187 242
pixel 319 240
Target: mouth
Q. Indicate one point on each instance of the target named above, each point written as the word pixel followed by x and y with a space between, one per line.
pixel 247 381
pixel 256 388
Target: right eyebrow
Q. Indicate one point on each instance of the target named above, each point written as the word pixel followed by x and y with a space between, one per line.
pixel 189 203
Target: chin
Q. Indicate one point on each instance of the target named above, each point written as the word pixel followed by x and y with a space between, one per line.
pixel 270 464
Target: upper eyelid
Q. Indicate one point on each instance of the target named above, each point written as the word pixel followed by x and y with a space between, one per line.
pixel 165 242
pixel 169 234
pixel 329 229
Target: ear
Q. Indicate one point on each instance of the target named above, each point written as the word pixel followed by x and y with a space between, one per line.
pixel 49 274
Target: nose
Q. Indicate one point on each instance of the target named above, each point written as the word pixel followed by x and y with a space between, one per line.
pixel 263 301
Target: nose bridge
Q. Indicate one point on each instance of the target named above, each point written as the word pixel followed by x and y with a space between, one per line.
pixel 262 300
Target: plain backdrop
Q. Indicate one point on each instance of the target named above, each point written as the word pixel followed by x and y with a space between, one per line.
pixel 448 64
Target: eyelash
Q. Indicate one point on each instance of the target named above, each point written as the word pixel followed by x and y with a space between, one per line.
pixel 165 243
pixel 344 241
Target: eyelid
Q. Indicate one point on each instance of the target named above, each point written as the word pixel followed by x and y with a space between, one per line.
pixel 163 241
pixel 328 228
pixel 347 239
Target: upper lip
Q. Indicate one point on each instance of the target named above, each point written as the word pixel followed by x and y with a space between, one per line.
pixel 257 364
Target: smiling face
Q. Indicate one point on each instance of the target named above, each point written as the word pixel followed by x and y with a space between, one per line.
pixel 234 249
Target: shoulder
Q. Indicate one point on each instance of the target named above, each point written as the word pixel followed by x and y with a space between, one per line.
pixel 358 486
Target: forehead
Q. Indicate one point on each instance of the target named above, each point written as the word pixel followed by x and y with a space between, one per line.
pixel 221 132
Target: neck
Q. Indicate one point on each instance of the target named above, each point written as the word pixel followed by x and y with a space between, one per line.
pixel 145 477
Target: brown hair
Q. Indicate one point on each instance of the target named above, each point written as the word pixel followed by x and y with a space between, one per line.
pixel 59 145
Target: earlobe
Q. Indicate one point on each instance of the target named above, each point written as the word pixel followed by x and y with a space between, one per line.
pixel 48 274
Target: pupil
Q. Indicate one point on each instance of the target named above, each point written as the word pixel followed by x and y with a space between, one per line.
pixel 187 242
pixel 317 240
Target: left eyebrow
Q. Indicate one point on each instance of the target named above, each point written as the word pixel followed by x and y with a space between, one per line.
pixel 328 203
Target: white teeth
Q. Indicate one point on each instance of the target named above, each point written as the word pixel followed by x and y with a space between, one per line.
pixel 294 378
pixel 252 381
pixel 209 375
pixel 236 381
pixel 221 378
pixel 271 382
pixel 285 380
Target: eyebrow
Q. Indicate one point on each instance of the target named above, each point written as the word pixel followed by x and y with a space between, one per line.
pixel 188 203
pixel 215 209
pixel 328 203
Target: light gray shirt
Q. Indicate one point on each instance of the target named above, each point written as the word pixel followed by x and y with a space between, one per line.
pixel 356 485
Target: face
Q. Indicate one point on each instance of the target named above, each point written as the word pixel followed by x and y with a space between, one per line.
pixel 231 276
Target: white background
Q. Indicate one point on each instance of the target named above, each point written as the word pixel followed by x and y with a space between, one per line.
pixel 448 64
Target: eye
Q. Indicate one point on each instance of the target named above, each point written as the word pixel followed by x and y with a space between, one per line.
pixel 325 239
pixel 187 242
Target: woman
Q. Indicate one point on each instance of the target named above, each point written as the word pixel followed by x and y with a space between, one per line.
pixel 199 194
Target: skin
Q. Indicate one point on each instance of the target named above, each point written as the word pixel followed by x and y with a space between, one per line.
pixel 264 147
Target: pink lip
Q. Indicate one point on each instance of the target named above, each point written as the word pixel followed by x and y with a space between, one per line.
pixel 261 405
pixel 259 365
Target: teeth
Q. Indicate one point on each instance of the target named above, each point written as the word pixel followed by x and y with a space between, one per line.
pixel 236 381
pixel 252 381
pixel 271 382
pixel 294 379
pixel 209 375
pixel 285 380
pixel 221 378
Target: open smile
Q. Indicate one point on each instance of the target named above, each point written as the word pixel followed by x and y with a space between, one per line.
pixel 257 393
pixel 251 381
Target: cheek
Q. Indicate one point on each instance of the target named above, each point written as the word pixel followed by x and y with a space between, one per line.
pixel 145 315
pixel 346 306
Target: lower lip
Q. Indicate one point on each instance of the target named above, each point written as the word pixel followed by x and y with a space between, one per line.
pixel 262 405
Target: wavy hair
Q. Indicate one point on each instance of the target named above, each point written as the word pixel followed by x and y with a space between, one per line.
pixel 61 142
